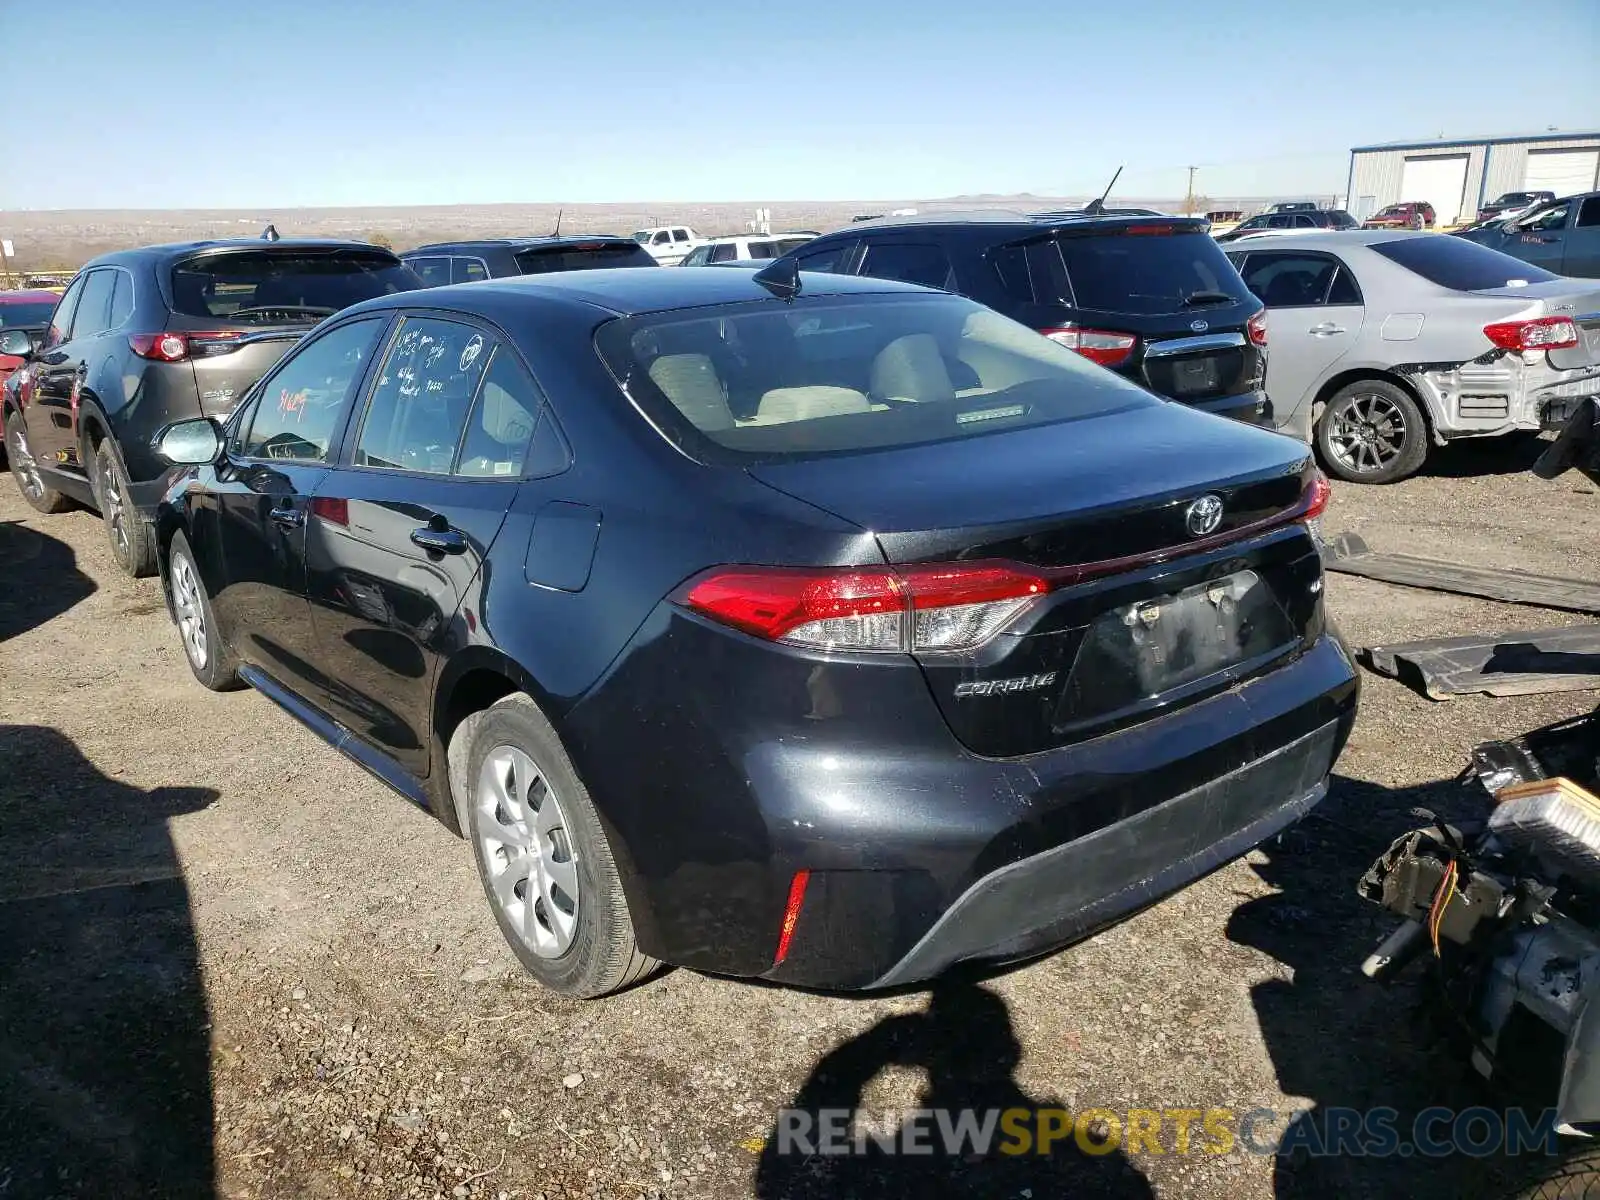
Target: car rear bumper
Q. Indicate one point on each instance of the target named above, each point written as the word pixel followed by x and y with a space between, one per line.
pixel 1253 408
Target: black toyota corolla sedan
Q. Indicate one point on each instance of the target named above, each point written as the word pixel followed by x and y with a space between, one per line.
pixel 823 629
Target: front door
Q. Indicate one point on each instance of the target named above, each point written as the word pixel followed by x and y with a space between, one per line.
pixel 1541 239
pixel 402 527
pixel 1582 256
pixel 253 542
pixel 48 416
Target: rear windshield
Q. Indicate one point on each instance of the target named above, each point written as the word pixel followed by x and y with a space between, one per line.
pixel 583 257
pixel 288 287
pixel 29 315
pixel 1339 219
pixel 1460 265
pixel 765 381
pixel 1136 273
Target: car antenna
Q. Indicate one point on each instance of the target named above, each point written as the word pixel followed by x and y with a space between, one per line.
pixel 269 234
pixel 781 278
pixel 557 233
pixel 1095 207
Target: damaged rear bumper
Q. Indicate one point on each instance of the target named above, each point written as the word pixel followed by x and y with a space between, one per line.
pixel 1500 393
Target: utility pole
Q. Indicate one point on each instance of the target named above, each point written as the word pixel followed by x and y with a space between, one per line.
pixel 1188 204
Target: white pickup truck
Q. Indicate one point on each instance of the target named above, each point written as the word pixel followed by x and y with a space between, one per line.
pixel 668 244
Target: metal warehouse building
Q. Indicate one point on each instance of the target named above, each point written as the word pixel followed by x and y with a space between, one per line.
pixel 1457 176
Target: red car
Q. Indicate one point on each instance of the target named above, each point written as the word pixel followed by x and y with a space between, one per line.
pixel 28 310
pixel 1411 214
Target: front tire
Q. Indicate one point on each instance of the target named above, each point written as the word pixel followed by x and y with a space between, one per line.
pixel 133 543
pixel 211 661
pixel 39 494
pixel 1372 432
pixel 544 859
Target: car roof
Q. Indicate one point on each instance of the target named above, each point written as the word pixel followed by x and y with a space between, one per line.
pixel 627 291
pixel 1331 239
pixel 176 250
pixel 29 296
pixel 516 243
pixel 1029 222
pixel 723 239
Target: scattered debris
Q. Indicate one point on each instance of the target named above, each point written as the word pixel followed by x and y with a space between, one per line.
pixel 1520 663
pixel 1350 555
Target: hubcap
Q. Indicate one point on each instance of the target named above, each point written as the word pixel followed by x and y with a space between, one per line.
pixel 1367 433
pixel 113 510
pixel 191 612
pixel 22 464
pixel 527 852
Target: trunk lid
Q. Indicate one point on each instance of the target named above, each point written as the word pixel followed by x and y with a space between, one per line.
pixel 1173 617
pixel 1573 298
pixel 224 369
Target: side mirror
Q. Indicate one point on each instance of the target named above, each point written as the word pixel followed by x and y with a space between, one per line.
pixel 16 343
pixel 190 443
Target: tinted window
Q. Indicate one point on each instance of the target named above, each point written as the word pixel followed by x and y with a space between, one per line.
pixel 1257 223
pixel 1458 264
pixel 419 405
pixel 122 300
pixel 830 375
pixel 1278 221
pixel 724 252
pixel 502 421
pixel 31 315
pixel 94 309
pixel 434 272
pixel 61 322
pixel 787 246
pixel 765 250
pixel 680 235
pixel 298 412
pixel 467 270
pixel 274 287
pixel 1339 219
pixel 1145 273
pixel 1011 265
pixel 909 263
pixel 583 257
pixel 829 258
pixel 1589 214
pixel 1343 290
pixel 1305 221
pixel 1285 280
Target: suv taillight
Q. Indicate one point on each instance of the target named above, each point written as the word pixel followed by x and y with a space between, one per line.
pixel 1256 328
pixel 175 347
pixel 1541 333
pixel 927 607
pixel 1104 346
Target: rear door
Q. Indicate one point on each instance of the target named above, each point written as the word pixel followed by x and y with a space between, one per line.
pixel 1314 316
pixel 401 528
pixel 1582 251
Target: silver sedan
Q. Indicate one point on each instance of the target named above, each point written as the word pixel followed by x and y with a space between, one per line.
pixel 1383 343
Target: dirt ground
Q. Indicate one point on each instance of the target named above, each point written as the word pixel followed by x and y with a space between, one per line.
pixel 231 963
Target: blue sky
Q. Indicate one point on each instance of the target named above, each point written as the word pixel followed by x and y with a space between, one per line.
pixel 477 101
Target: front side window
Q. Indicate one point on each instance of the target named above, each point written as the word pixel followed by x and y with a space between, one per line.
pixel 662 238
pixel 419 405
pixel 724 252
pixel 299 409
pixel 61 322
pixel 909 263
pixel 1546 219
pixel 761 381
pixel 698 257
pixel 1589 214
pixel 1462 266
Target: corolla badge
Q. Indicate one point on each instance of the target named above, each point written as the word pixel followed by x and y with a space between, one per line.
pixel 1199 326
pixel 1203 516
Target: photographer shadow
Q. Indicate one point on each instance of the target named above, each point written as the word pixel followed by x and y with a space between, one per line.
pixel 105 1062
pixel 965 1043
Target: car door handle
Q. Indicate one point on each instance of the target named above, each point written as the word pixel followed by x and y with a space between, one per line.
pixel 288 518
pixel 1326 329
pixel 439 541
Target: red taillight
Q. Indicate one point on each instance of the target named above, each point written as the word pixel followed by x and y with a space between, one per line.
pixel 1150 230
pixel 175 347
pixel 1541 333
pixel 1256 329
pixel 791 914
pixel 1104 346
pixel 925 607
pixel 1317 496
pixel 333 509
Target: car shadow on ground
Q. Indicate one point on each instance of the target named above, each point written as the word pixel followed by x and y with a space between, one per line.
pixel 40 578
pixel 1336 1037
pixel 1466 458
pixel 104 1035
pixel 965 1044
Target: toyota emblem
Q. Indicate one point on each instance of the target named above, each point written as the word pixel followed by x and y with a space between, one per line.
pixel 1199 326
pixel 1203 516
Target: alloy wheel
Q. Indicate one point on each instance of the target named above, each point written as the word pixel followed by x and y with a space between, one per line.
pixel 527 851
pixel 186 600
pixel 1368 432
pixel 22 463
pixel 112 508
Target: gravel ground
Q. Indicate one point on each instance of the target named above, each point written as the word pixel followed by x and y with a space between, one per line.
pixel 231 963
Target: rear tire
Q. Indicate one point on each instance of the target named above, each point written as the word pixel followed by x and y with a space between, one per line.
pixel 133 542
pixel 208 657
pixel 1577 1177
pixel 1372 432
pixel 544 859
pixel 25 470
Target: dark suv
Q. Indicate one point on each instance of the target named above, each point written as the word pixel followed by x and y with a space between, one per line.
pixel 467 262
pixel 1151 297
pixel 146 337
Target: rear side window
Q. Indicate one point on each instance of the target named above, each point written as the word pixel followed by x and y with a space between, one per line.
pixel 467 270
pixel 586 256
pixel 419 406
pixel 1589 214
pixel 434 272
pixel 502 422
pixel 787 246
pixel 1343 289
pixel 1011 265
pixel 122 300
pixel 1462 266
pixel 1138 273
pixel 828 258
pixel 94 310
pixel 1285 280
pixel 909 262
pixel 270 287
pixel 299 408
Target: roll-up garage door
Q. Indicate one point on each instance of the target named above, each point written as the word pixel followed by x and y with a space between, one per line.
pixel 1440 179
pixel 1561 171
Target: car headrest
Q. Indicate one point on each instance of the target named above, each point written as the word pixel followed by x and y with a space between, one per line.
pixel 911 368
pixel 782 405
pixel 690 381
pixel 504 418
